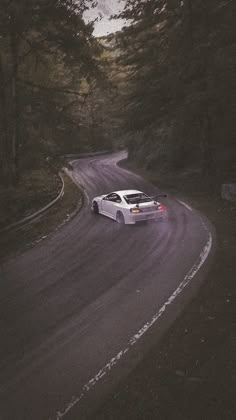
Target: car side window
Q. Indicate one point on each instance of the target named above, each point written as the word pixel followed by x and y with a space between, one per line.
pixel 110 197
pixel 115 198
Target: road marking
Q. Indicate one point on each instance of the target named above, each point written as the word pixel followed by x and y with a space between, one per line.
pixel 93 381
pixel 86 195
pixel 185 205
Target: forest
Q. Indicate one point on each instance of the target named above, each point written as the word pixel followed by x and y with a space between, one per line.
pixel 164 87
pixel 180 101
pixel 49 67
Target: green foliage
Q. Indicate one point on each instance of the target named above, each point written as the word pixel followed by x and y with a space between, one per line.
pixel 49 62
pixel 179 106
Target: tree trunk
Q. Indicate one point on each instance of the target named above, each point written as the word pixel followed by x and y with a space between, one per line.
pixel 4 135
pixel 15 108
pixel 190 13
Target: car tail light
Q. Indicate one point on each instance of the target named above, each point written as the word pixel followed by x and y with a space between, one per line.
pixel 162 208
pixel 135 210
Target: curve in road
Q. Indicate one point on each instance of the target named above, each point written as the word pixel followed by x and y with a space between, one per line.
pixel 90 296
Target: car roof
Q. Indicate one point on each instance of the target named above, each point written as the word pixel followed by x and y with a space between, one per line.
pixel 127 192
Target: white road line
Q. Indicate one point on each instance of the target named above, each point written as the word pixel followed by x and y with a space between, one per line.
pixel 86 195
pixel 93 381
pixel 185 205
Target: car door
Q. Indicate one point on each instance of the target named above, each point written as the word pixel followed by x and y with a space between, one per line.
pixel 109 204
pixel 116 204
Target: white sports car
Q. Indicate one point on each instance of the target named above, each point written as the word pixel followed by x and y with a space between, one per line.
pixel 129 206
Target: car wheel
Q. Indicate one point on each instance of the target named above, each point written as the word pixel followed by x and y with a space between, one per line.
pixel 95 207
pixel 120 217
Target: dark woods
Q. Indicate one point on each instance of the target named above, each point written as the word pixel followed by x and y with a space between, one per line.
pixel 170 77
pixel 48 65
pixel 180 105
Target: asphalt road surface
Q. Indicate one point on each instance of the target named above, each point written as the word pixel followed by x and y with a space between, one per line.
pixel 80 309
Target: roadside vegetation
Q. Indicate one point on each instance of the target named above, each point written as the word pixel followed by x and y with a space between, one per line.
pixel 29 196
pixel 48 65
pixel 16 241
pixel 179 103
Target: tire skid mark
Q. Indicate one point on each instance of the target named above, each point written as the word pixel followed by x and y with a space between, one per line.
pixel 185 205
pixel 47 293
pixel 75 400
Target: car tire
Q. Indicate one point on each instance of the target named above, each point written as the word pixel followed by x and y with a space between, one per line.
pixel 95 208
pixel 120 217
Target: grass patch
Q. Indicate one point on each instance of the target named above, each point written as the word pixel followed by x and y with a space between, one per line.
pixel 15 241
pixel 31 194
pixel 191 373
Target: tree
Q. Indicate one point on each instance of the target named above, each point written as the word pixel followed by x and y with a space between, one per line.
pixel 46 51
pixel 177 95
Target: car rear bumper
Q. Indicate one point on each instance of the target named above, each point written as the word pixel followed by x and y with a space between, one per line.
pixel 134 218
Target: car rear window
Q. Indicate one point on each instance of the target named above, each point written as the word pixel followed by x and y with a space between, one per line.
pixel 137 198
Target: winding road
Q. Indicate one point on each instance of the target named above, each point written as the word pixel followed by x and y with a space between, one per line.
pixel 80 309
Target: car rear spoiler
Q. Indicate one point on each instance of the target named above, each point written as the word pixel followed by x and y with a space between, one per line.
pixel 161 195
